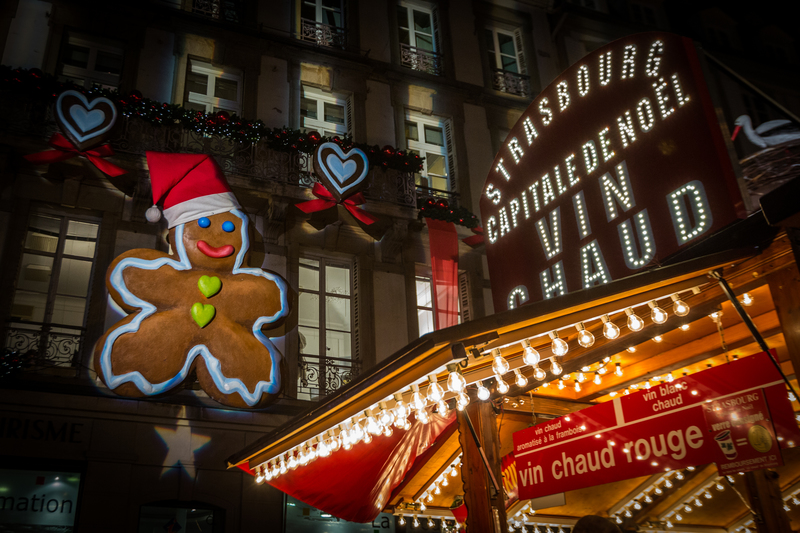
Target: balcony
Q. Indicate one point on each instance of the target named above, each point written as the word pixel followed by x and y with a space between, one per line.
pixel 421 60
pixel 222 10
pixel 319 376
pixel 45 348
pixel 253 162
pixel 511 83
pixel 322 34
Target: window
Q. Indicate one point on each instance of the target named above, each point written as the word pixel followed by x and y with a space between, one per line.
pixel 325 326
pixel 431 138
pixel 210 89
pixel 507 61
pixel 322 22
pixel 58 492
pixel 420 47
pixel 52 289
pixel 90 61
pixel 424 305
pixel 328 113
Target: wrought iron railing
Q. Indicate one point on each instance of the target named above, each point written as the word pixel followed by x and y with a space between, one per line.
pixel 511 83
pixel 44 346
pixel 253 160
pixel 452 197
pixel 223 10
pixel 320 376
pixel 322 34
pixel 422 60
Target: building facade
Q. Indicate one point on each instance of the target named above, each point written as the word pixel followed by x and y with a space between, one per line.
pixel 443 80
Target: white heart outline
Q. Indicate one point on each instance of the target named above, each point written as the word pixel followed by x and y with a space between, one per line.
pixel 335 147
pixel 81 138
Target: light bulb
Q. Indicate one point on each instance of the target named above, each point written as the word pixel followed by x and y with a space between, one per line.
pixel 275 470
pixel 400 408
pixel 282 466
pixel 687 508
pixel 422 416
pixel 610 330
pixel 260 476
pixel 648 499
pixel 747 300
pixel 618 369
pixel 602 370
pixel 559 346
pixel 795 501
pixel 597 378
pixel 555 368
pixel 357 433
pixel 631 349
pixel 577 387
pixel 454 472
pixel 658 490
pixel 669 524
pixel 430 497
pixel 658 315
pixel 684 327
pixel 422 505
pixel 415 523
pixel 634 322
pixel 668 484
pixel 697 502
pixel 637 505
pixel 483 392
pixel 456 382
pixel 323 450
pixel 462 399
pixel 628 513
pixel 502 386
pixel 530 356
pixel 679 307
pixel 499 365
pixel 435 391
pixel 442 408
pixel 436 489
pixel 585 337
pixel 292 464
pixel 371 425
pixel 417 400
pixel 538 373
pixel 561 385
pixel 401 521
pixel 580 378
pixel 658 338
pixel 367 437
pixel 617 519
pixel 707 495
pixel 444 481
pixel 679 476
pixel 430 523
pixel 520 380
pixel 386 416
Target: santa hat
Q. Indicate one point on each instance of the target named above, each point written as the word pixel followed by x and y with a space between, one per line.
pixel 191 186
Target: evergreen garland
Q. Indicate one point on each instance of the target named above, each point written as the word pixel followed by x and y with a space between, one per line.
pixel 439 209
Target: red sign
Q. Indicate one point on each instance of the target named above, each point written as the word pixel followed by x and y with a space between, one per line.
pixel 741 427
pixel 650 431
pixel 615 166
pixel 509 469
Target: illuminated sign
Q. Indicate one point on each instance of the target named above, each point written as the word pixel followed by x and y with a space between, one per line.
pixel 30 498
pixel 617 165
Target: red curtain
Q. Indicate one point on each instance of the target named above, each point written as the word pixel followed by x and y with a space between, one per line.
pixel 444 267
pixel 356 484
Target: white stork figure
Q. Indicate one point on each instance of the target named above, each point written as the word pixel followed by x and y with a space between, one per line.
pixel 767 134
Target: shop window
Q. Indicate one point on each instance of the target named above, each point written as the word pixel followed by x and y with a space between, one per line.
pixel 328 113
pixel 88 61
pixel 327 319
pixel 419 34
pixel 48 310
pixel 39 500
pixel 432 138
pixel 174 516
pixel 507 61
pixel 322 22
pixel 210 89
pixel 426 314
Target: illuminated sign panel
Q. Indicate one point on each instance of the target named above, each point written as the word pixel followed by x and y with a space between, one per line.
pixel 615 166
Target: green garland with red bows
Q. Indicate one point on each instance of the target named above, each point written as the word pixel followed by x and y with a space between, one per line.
pixel 33 84
pixel 440 209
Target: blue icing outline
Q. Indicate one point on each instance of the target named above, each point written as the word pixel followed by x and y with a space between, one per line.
pixel 225 384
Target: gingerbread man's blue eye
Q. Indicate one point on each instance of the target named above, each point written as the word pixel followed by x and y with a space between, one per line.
pixel 228 226
pixel 204 222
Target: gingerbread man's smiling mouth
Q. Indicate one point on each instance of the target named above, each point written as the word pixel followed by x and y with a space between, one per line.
pixel 210 251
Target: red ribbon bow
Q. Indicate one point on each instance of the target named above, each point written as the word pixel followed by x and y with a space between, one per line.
pixel 474 240
pixel 65 150
pixel 327 200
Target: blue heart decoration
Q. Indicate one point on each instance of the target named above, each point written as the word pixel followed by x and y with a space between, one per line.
pixel 340 169
pixel 84 116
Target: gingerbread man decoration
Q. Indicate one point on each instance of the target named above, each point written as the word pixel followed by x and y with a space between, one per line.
pixel 201 310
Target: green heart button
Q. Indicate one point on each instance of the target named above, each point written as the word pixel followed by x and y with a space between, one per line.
pixel 209 285
pixel 203 314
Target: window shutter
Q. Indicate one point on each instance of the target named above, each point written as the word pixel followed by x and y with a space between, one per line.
pixel 523 67
pixel 356 327
pixel 464 297
pixel 451 154
pixel 437 31
pixel 348 115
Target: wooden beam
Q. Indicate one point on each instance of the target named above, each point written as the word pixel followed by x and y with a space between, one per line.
pixel 784 285
pixel 764 494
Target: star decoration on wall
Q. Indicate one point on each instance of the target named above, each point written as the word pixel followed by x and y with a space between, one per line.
pixel 182 445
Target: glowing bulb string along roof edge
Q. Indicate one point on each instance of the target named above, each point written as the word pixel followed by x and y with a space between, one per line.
pixel 711 482
pixel 362 428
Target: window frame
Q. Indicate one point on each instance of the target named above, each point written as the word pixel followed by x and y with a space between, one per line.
pixel 321 359
pixel 319 124
pixel 423 148
pixel 89 75
pixel 198 66
pixel 429 280
pixel 319 11
pixel 497 54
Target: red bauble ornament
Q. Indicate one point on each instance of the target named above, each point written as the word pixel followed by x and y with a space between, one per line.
pixel 314 137
pixel 337 140
pixel 388 151
pixel 430 202
pixel 223 116
pixel 36 73
pixel 136 94
pixel 442 203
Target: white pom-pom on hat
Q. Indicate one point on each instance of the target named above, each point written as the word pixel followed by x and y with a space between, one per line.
pixel 153 214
